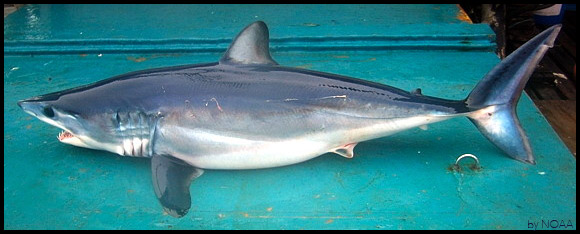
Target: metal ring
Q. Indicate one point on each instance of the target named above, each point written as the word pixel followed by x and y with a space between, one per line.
pixel 467 155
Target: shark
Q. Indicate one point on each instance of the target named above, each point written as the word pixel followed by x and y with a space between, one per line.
pixel 246 111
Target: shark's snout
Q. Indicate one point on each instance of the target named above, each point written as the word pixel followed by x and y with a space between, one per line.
pixel 47 113
pixel 42 111
pixel 75 130
pixel 36 108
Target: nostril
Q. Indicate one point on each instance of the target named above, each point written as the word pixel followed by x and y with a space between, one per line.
pixel 48 112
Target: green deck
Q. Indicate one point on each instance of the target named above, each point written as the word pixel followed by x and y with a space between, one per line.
pixel 399 182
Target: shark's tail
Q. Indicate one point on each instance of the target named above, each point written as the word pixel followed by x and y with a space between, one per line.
pixel 497 94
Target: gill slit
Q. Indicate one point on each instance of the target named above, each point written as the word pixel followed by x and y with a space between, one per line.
pixel 120 130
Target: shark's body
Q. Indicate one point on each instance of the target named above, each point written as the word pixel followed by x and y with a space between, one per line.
pixel 247 112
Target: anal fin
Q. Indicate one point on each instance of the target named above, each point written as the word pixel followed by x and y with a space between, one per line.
pixel 171 180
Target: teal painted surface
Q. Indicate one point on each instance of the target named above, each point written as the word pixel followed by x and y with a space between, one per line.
pixel 47 22
pixel 397 182
pixel 61 29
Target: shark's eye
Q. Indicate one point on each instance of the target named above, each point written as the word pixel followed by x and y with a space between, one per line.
pixel 48 112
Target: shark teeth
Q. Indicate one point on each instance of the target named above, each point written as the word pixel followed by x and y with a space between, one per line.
pixel 64 135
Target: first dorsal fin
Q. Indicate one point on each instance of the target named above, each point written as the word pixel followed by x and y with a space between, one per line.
pixel 251 46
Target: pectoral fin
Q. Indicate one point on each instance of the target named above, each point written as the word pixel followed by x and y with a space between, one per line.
pixel 171 180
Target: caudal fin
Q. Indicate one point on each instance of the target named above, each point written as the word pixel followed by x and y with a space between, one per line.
pixel 497 95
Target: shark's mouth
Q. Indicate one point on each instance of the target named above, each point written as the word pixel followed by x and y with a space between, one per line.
pixel 64 136
pixel 69 138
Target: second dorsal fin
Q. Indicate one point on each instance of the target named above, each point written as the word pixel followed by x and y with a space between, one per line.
pixel 417 91
pixel 251 46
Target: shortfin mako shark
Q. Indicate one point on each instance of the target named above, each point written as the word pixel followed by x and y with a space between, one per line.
pixel 246 112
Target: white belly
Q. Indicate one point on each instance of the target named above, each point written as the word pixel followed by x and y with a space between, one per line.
pixel 253 154
pixel 209 149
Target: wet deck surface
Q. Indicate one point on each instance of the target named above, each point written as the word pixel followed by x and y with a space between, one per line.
pixel 403 181
pixel 553 86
